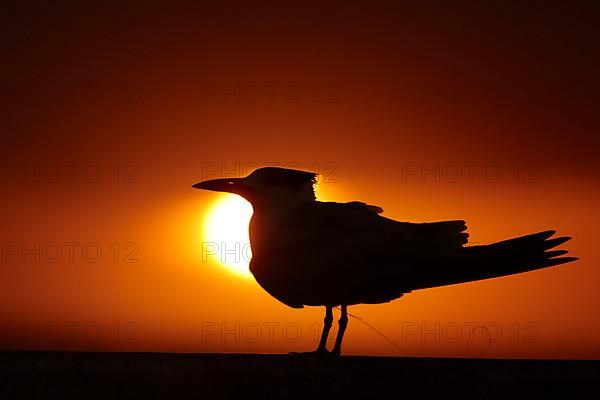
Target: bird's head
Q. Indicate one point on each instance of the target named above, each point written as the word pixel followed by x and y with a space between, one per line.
pixel 268 186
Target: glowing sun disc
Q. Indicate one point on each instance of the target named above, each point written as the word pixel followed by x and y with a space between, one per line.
pixel 226 237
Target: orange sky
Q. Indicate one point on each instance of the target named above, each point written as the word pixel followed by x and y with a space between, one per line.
pixel 154 100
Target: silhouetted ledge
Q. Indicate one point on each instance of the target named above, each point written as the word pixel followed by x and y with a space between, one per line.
pixel 212 376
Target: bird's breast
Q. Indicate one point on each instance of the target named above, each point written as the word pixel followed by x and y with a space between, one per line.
pixel 276 263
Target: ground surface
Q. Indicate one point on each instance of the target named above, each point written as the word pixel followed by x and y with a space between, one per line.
pixel 248 376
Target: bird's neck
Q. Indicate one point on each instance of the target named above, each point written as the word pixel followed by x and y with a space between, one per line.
pixel 264 225
pixel 275 204
pixel 270 208
pixel 273 210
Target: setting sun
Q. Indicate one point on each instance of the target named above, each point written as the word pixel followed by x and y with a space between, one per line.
pixel 225 234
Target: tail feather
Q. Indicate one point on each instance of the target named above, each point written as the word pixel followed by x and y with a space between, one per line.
pixel 550 243
pixel 512 256
pixel 555 253
pixel 560 260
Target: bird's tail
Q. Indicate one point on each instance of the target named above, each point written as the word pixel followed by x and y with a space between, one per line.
pixel 512 256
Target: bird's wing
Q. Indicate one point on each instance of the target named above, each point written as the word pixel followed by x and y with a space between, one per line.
pixel 347 222
pixel 352 251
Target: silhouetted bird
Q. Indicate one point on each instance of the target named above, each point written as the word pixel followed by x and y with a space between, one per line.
pixel 311 253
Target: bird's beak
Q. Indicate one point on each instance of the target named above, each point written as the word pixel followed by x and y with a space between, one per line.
pixel 231 185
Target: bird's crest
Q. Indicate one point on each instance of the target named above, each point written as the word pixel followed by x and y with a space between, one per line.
pixel 275 176
pixel 296 183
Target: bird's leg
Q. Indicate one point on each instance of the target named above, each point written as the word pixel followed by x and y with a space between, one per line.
pixel 322 349
pixel 343 322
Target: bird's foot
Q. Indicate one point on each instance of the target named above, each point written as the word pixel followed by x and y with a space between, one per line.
pixel 316 353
